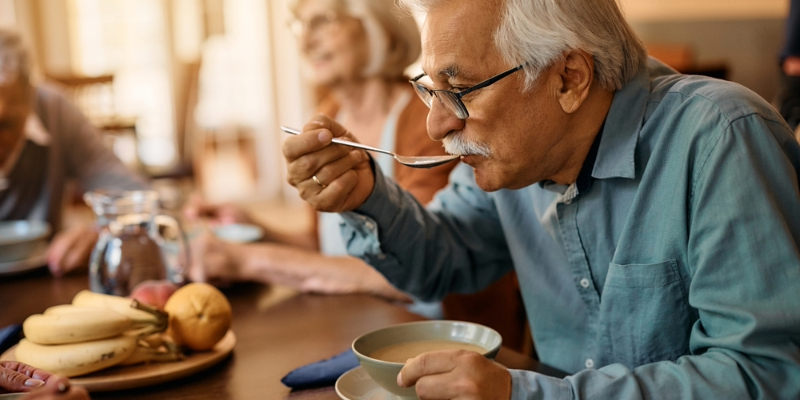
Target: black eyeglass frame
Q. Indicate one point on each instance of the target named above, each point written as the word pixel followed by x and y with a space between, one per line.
pixel 455 104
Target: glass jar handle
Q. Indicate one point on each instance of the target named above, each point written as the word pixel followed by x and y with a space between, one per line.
pixel 176 272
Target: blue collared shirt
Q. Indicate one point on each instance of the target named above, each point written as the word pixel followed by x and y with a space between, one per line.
pixel 675 274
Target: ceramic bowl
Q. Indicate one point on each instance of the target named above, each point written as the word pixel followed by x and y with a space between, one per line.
pixel 19 239
pixel 384 373
pixel 239 233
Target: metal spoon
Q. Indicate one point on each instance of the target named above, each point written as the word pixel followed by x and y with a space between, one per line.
pixel 411 161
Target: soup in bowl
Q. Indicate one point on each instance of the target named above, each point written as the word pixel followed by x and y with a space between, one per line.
pixel 383 352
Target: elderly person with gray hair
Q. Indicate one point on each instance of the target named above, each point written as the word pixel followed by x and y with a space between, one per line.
pixel 356 51
pixel 44 141
pixel 653 219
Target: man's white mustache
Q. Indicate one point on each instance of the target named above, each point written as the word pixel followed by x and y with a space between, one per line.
pixel 455 143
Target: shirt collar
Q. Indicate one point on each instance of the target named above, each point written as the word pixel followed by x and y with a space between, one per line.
pixel 615 155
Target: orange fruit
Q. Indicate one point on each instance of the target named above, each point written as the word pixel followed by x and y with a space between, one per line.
pixel 199 316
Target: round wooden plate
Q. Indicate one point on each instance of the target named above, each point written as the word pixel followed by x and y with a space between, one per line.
pixel 119 378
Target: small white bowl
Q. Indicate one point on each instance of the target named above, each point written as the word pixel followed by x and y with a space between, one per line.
pixel 19 239
pixel 239 233
pixel 384 373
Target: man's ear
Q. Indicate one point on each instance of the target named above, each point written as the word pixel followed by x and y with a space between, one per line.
pixel 577 76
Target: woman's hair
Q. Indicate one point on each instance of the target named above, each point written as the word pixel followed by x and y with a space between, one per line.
pixel 539 32
pixel 14 60
pixel 392 34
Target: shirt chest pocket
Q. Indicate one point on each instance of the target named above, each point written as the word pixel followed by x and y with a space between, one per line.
pixel 644 314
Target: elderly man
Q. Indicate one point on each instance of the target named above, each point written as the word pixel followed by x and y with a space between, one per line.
pixel 653 219
pixel 44 140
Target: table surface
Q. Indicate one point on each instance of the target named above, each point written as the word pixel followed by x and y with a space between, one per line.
pixel 277 331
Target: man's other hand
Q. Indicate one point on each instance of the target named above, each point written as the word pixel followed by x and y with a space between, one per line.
pixel 456 374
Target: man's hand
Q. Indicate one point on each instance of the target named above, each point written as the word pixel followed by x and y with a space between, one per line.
pixel 456 374
pixel 19 377
pixel 344 178
pixel 70 249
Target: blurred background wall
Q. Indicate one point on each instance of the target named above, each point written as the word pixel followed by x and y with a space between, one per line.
pixel 199 87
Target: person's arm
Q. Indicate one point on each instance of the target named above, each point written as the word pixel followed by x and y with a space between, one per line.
pixel 303 269
pixel 93 165
pixel 87 159
pixel 455 245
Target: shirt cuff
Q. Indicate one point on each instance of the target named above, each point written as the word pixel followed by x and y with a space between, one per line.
pixel 527 385
pixel 360 228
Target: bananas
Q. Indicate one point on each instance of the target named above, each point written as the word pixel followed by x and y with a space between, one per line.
pixel 76 358
pixel 75 326
pixel 96 331
pixel 127 307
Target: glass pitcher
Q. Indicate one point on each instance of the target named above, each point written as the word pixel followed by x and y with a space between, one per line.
pixel 136 242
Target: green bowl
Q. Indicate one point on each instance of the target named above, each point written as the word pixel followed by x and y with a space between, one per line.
pixel 384 373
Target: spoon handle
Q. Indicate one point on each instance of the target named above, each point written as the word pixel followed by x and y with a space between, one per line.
pixel 342 142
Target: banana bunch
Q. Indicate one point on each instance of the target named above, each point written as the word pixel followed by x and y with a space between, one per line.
pixel 95 332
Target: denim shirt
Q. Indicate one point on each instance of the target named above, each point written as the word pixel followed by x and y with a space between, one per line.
pixel 674 275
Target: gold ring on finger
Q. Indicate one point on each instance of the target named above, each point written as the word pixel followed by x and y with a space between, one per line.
pixel 316 180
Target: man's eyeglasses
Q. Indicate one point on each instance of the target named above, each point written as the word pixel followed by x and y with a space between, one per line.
pixel 452 100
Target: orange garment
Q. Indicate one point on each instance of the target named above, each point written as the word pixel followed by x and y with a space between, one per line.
pixel 500 305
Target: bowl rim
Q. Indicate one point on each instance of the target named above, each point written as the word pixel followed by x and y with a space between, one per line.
pixel 29 237
pixel 391 363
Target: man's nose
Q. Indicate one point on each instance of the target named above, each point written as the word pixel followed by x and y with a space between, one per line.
pixel 442 121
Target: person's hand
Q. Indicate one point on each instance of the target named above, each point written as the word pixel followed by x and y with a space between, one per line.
pixel 217 214
pixel 456 374
pixel 18 377
pixel 70 249
pixel 344 177
pixel 213 261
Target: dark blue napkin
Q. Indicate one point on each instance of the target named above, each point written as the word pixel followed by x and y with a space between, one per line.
pixel 321 373
pixel 9 336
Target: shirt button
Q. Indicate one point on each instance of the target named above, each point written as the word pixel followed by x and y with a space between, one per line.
pixel 585 284
pixel 589 363
pixel 370 225
pixel 381 256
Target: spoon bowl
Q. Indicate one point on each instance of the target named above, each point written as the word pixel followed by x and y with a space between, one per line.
pixel 411 161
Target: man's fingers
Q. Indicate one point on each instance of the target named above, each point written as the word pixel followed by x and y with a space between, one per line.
pixel 306 142
pixel 332 171
pixel 322 121
pixel 306 166
pixel 435 362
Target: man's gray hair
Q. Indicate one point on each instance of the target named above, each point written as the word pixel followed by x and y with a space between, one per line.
pixel 538 32
pixel 14 60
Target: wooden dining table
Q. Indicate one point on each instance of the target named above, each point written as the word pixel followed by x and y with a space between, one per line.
pixel 277 330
